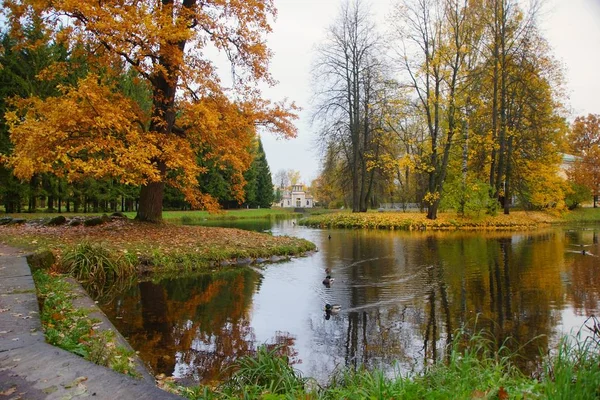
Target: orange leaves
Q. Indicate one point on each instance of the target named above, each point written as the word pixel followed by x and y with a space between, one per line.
pixel 90 131
pixel 93 131
pixel 585 141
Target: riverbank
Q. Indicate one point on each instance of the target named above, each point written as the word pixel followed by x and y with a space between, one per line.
pixel 474 369
pixel 32 369
pixel 416 221
pixel 158 248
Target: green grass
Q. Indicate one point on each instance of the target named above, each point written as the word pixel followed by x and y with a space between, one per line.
pixel 191 216
pixel 94 262
pixel 473 370
pixel 583 215
pixel 48 215
pixel 178 215
pixel 73 330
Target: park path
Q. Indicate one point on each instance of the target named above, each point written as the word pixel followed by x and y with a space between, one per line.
pixel 32 369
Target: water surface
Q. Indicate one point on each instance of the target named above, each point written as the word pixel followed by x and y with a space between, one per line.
pixel 402 295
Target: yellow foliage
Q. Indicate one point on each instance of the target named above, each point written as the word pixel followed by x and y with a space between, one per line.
pixel 89 131
pixel 93 131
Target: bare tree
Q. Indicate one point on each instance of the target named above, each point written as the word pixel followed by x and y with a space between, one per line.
pixel 347 75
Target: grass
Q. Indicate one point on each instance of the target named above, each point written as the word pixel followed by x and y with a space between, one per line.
pixel 583 215
pixel 181 216
pixel 121 244
pixel 418 221
pixel 71 329
pixel 474 370
pixel 94 262
pixel 193 216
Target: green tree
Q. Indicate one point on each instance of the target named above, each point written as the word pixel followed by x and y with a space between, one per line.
pixel 25 71
pixel 264 182
pixel 259 186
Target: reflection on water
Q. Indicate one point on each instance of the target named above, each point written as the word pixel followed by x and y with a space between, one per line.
pixel 402 297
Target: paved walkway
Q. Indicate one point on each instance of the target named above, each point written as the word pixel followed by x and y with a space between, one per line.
pixel 32 369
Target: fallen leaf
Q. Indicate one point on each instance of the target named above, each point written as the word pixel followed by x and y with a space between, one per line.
pixel 76 382
pixel 502 394
pixel 8 392
pixel 478 394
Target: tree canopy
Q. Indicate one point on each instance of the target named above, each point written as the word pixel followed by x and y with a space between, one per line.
pixel 90 129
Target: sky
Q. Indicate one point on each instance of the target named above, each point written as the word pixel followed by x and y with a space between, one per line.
pixel 572 28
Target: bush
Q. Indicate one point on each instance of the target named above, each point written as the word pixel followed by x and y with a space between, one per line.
pixel 577 195
pixel 94 262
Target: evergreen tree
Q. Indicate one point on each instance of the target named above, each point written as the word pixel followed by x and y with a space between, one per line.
pixel 264 183
pixel 20 69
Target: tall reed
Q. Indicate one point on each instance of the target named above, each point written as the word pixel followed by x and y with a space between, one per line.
pixel 94 263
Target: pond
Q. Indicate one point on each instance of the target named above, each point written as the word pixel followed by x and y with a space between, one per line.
pixel 403 295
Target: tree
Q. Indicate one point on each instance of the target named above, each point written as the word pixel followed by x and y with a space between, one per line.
pixel 282 179
pixel 584 138
pixel 330 185
pixel 293 176
pixel 519 119
pixel 24 72
pixel 348 76
pixel 264 183
pixel 436 37
pixel 166 43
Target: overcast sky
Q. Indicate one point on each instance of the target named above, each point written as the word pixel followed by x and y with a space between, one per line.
pixel 572 27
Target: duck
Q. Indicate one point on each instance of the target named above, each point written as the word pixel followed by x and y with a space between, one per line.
pixel 332 308
pixel 328 280
pixel 329 237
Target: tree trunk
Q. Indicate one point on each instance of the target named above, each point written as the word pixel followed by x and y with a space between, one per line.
pixel 33 183
pixel 433 209
pixel 507 179
pixel 151 198
pixel 51 203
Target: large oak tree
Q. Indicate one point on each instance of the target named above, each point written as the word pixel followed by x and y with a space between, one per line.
pixel 91 129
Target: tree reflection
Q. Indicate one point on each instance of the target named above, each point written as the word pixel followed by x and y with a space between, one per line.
pixel 193 327
pixel 403 295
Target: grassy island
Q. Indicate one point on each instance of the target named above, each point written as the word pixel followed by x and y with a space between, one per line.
pixel 415 221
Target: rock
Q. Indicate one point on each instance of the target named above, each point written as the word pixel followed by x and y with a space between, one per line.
pixel 17 221
pixel 94 221
pixel 75 222
pixel 55 221
pixel 37 221
pixel 118 215
pixel 244 261
pixel 5 220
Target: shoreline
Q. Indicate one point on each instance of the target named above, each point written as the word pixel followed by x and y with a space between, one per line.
pixel 32 368
pixel 416 221
pixel 156 248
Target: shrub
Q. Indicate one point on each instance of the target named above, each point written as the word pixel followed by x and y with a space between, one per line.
pixel 95 263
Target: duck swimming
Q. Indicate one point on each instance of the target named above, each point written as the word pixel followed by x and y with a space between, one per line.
pixel 328 280
pixel 332 308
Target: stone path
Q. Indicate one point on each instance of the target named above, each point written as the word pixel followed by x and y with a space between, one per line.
pixel 32 369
